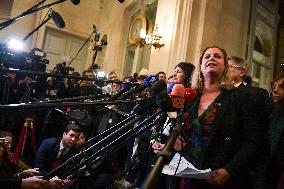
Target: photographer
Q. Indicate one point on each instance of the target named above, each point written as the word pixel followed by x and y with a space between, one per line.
pixel 19 165
pixel 25 179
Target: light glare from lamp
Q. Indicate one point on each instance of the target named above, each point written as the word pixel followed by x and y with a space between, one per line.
pixel 148 39
pixel 16 44
pixel 143 33
pixel 101 74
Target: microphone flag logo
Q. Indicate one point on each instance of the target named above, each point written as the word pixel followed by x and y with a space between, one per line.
pixel 178 102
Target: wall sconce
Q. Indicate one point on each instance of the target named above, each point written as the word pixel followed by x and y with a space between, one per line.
pixel 138 34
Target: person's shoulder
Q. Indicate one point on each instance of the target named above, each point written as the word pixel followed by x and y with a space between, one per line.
pixel 252 91
pixel 255 96
pixel 50 140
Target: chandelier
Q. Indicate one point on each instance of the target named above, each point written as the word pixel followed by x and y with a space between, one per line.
pixel 151 39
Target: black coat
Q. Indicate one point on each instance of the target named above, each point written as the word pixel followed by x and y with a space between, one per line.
pixel 12 183
pixel 236 141
pixel 275 164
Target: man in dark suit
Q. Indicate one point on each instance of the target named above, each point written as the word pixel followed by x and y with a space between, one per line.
pixel 52 149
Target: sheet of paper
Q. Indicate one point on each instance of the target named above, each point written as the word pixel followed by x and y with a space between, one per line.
pixel 184 169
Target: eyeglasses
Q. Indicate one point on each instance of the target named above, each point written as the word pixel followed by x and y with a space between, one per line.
pixel 235 66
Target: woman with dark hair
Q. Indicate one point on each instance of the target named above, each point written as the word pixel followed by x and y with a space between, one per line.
pixel 222 126
pixel 275 168
pixel 183 73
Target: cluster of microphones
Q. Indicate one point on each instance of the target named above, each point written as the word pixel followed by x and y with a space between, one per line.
pixel 156 102
pixel 155 91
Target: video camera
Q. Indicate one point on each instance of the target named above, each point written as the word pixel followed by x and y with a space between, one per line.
pixel 32 61
pixel 63 69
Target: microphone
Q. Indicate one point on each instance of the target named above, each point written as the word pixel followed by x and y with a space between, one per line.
pixel 124 88
pixel 61 112
pixel 164 102
pixel 120 113
pixel 120 1
pixel 148 82
pixel 169 89
pixel 150 94
pixel 158 87
pixel 75 2
pixel 189 94
pixel 177 96
pixel 57 19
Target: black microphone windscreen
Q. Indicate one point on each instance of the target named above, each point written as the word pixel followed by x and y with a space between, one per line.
pixel 164 102
pixel 159 86
pixel 57 19
pixel 75 2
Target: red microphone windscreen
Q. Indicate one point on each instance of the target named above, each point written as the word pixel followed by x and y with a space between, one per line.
pixel 178 102
pixel 177 96
pixel 189 94
pixel 178 90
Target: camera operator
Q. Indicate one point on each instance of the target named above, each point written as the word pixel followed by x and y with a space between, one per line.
pixel 51 89
pixel 9 93
pixel 63 87
pixel 32 87
pixel 72 86
pixel 89 87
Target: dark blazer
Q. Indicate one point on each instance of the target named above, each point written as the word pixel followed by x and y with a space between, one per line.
pixel 276 128
pixel 235 142
pixel 275 164
pixel 47 154
pixel 12 183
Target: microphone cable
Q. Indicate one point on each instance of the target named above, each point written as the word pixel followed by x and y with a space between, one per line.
pixel 48 12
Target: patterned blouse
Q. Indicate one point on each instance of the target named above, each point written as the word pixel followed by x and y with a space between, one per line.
pixel 198 129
